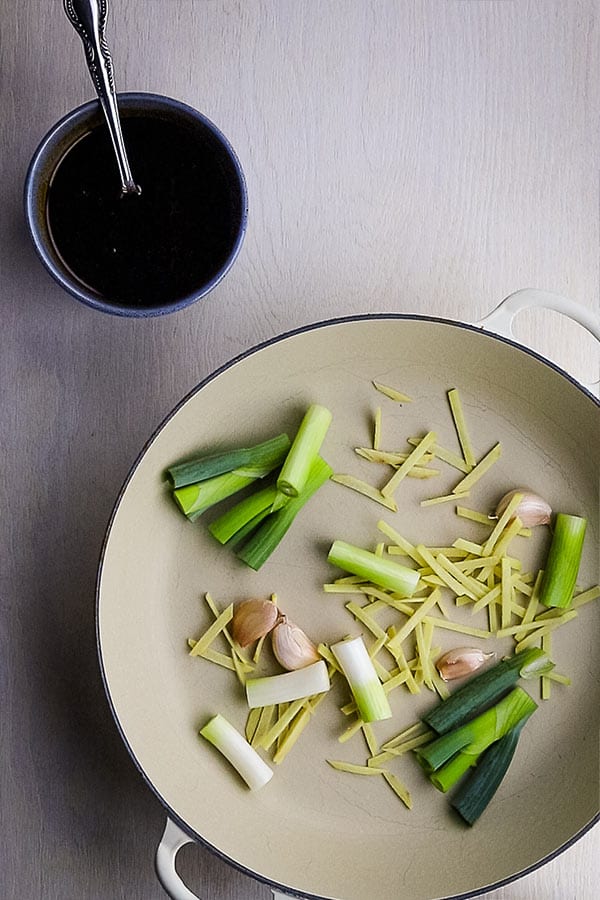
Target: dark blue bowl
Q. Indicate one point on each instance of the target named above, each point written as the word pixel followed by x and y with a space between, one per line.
pixel 71 129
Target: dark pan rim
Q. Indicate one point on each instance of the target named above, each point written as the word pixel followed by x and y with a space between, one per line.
pixel 366 317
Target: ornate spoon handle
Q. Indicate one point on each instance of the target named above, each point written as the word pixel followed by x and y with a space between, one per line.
pixel 88 17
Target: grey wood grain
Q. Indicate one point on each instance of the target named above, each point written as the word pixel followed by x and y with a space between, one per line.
pixel 406 156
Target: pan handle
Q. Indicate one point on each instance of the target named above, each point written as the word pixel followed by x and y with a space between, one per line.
pixel 171 842
pixel 500 320
pixel 173 839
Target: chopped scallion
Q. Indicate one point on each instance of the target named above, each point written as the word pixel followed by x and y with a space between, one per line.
pixel 371 700
pixel 289 686
pixel 243 513
pixel 564 557
pixel 485 688
pixel 384 572
pixel 244 758
pixel 194 499
pixel 447 758
pixel 270 532
pixel 474 795
pixel 212 464
pixel 304 450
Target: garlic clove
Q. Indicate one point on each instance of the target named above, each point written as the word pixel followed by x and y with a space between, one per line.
pixel 252 619
pixel 461 662
pixel 292 648
pixel 532 509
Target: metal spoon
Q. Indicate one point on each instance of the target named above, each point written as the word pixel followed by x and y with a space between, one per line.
pixel 88 17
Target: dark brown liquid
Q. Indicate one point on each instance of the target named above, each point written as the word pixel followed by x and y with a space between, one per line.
pixel 155 248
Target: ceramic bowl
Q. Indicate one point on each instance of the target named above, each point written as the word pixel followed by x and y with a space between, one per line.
pixel 78 123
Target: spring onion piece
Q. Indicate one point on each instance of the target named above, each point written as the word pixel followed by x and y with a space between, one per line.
pixel 244 758
pixel 194 499
pixel 384 572
pixel 304 450
pixel 289 686
pixel 246 530
pixel 267 536
pixel 474 795
pixel 447 758
pixel 212 464
pixel 564 557
pixel 486 687
pixel 371 700
pixel 248 511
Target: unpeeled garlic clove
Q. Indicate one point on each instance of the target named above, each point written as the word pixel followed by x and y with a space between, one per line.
pixel 252 619
pixel 292 648
pixel 461 662
pixel 532 509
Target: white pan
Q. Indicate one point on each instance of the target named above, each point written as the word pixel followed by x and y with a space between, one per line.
pixel 312 831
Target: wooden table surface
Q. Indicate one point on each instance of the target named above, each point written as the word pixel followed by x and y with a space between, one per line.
pixel 426 157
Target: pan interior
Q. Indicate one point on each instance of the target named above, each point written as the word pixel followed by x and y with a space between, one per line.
pixel 312 829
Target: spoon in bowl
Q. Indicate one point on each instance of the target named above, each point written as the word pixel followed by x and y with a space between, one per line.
pixel 88 17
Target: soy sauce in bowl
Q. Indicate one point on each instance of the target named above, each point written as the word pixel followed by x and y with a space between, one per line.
pixel 137 255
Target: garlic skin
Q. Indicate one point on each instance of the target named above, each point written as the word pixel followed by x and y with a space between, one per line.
pixel 461 661
pixel 532 510
pixel 292 648
pixel 253 619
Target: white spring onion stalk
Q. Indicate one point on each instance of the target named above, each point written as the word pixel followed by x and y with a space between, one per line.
pixel 289 686
pixel 244 758
pixel 367 690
